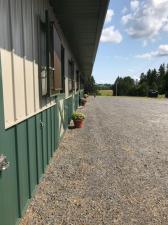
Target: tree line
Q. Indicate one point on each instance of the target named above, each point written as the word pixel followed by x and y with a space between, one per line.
pixel 91 87
pixel 156 80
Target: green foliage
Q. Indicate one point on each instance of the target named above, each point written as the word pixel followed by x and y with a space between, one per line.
pixel 78 116
pixel 105 92
pixel 152 80
pixel 90 85
pixel 85 95
pixel 103 86
pixel 123 86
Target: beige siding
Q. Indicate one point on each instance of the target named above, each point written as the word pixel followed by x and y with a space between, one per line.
pixel 9 111
pixel 19 87
pixel 19 59
pixel 36 87
pixel 30 95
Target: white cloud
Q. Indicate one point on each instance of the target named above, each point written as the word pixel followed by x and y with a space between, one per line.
pixel 126 18
pixel 134 4
pixel 160 52
pixel 109 15
pixel 158 2
pixel 163 50
pixel 145 56
pixel 109 34
pixel 124 10
pixel 146 19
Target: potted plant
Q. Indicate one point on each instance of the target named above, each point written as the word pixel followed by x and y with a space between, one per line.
pixel 83 101
pixel 78 119
pixel 85 95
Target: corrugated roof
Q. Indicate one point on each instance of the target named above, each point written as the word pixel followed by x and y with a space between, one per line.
pixel 82 22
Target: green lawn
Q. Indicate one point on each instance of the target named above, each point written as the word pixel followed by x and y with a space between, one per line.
pixel 105 92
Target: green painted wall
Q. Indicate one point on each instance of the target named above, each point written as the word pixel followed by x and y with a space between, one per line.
pixel 28 147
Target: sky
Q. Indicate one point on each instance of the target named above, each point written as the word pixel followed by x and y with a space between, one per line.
pixel 134 39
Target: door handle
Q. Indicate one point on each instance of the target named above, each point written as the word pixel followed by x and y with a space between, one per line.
pixel 4 164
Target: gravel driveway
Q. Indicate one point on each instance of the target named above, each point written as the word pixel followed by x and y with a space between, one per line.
pixel 113 171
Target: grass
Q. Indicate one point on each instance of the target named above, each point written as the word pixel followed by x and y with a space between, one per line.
pixel 161 96
pixel 105 92
pixel 110 93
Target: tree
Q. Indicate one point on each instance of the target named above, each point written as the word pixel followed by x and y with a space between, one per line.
pixel 123 86
pixel 161 79
pixel 90 85
pixel 142 89
pixel 166 82
pixel 156 80
pixel 143 78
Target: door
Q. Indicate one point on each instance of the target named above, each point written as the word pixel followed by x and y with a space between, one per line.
pixel 9 207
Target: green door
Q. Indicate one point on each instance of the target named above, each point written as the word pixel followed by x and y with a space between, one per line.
pixel 9 211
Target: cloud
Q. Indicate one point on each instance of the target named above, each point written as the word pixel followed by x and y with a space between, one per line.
pixel 126 19
pixel 124 10
pixel 160 52
pixel 109 16
pixel 146 19
pixel 109 34
pixel 134 4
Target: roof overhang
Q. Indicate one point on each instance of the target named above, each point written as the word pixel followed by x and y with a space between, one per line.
pixel 81 22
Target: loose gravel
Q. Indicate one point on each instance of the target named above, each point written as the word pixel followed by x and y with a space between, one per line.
pixel 112 171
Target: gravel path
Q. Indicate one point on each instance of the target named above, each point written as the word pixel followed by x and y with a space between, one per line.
pixel 113 171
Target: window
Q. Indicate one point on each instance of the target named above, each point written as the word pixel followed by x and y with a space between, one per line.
pixel 55 62
pixel 77 80
pixel 71 75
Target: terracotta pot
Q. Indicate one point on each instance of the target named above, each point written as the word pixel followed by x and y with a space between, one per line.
pixel 78 123
pixel 83 103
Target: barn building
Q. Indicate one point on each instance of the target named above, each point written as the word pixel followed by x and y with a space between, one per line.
pixel 47 48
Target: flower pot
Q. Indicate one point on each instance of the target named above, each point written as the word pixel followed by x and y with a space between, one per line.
pixel 78 123
pixel 83 103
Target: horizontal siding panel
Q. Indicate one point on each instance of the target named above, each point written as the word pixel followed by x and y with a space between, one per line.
pixel 19 87
pixel 9 207
pixel 56 115
pixel 27 29
pixel 36 87
pixel 22 160
pixel 49 132
pixel 5 38
pixel 21 97
pixel 17 25
pixel 20 63
pixel 6 63
pixel 31 126
pixel 39 145
pixel 52 129
pixel 29 86
pixel 44 137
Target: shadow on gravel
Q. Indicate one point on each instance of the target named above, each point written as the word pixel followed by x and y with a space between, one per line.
pixel 71 127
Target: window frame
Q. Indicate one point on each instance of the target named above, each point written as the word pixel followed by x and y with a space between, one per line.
pixel 51 68
pixel 71 73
